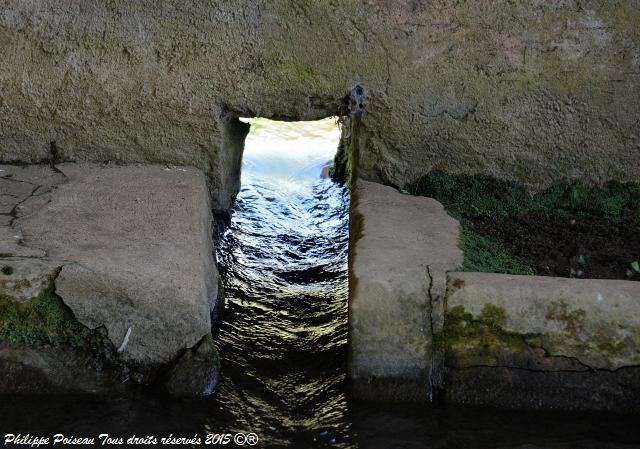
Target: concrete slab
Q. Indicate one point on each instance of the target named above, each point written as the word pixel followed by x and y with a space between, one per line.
pixel 400 249
pixel 136 247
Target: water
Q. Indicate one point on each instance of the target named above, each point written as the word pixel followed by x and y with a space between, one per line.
pixel 284 263
pixel 283 340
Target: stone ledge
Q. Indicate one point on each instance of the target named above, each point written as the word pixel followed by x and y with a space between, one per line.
pixel 509 332
pixel 418 327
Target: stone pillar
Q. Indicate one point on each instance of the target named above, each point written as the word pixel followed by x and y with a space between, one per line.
pixel 400 249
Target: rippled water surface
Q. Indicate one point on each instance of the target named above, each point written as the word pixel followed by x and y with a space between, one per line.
pixel 284 261
pixel 283 337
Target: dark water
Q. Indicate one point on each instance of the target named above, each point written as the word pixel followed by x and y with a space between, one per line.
pixel 283 348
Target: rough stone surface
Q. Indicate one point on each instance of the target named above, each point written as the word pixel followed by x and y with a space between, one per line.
pixel 12 244
pixel 25 271
pixel 520 340
pixel 536 91
pixel 401 247
pixel 19 185
pixel 196 373
pixel 614 391
pixel 22 279
pixel 136 243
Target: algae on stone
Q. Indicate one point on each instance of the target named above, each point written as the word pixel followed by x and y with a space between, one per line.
pixel 44 320
pixel 482 340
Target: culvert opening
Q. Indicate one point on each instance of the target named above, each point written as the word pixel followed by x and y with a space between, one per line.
pixel 283 260
pixel 291 153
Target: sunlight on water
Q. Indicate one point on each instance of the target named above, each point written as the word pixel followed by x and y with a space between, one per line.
pixel 291 153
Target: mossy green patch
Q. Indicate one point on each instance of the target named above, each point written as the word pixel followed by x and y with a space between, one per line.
pixel 488 198
pixel 572 319
pixel 484 255
pixel 472 340
pixel 45 320
pixel 480 198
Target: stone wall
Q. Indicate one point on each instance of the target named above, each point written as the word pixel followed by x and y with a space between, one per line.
pixel 400 249
pixel 535 91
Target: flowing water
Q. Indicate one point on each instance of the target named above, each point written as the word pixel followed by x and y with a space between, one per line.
pixel 283 338
pixel 284 262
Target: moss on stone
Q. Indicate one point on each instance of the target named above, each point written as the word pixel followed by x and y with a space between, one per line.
pixel 45 320
pixel 493 316
pixel 342 170
pixel 572 319
pixel 481 339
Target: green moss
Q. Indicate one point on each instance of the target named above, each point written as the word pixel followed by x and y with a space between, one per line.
pixel 45 320
pixel 572 319
pixel 7 270
pixel 488 198
pixel 493 316
pixel 472 340
pixel 485 255
pixel 471 198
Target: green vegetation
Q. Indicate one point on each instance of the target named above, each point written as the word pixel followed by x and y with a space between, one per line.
pixel 484 255
pixel 479 198
pixel 482 337
pixel 483 197
pixel 45 320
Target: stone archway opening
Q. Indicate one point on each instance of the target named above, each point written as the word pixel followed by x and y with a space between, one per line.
pixel 283 261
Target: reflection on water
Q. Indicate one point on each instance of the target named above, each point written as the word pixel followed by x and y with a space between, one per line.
pixel 284 264
pixel 283 339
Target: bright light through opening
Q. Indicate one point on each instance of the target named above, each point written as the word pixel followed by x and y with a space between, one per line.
pixel 292 153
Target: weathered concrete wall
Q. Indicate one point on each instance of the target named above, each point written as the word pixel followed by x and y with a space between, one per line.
pixel 135 246
pixel 419 329
pixel 535 91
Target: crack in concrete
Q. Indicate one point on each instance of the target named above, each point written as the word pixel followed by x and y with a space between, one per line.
pixel 438 361
pixel 432 388
pixel 436 323
pixel 14 210
pixel 38 190
pixel 47 189
pixel 573 359
pixel 9 177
